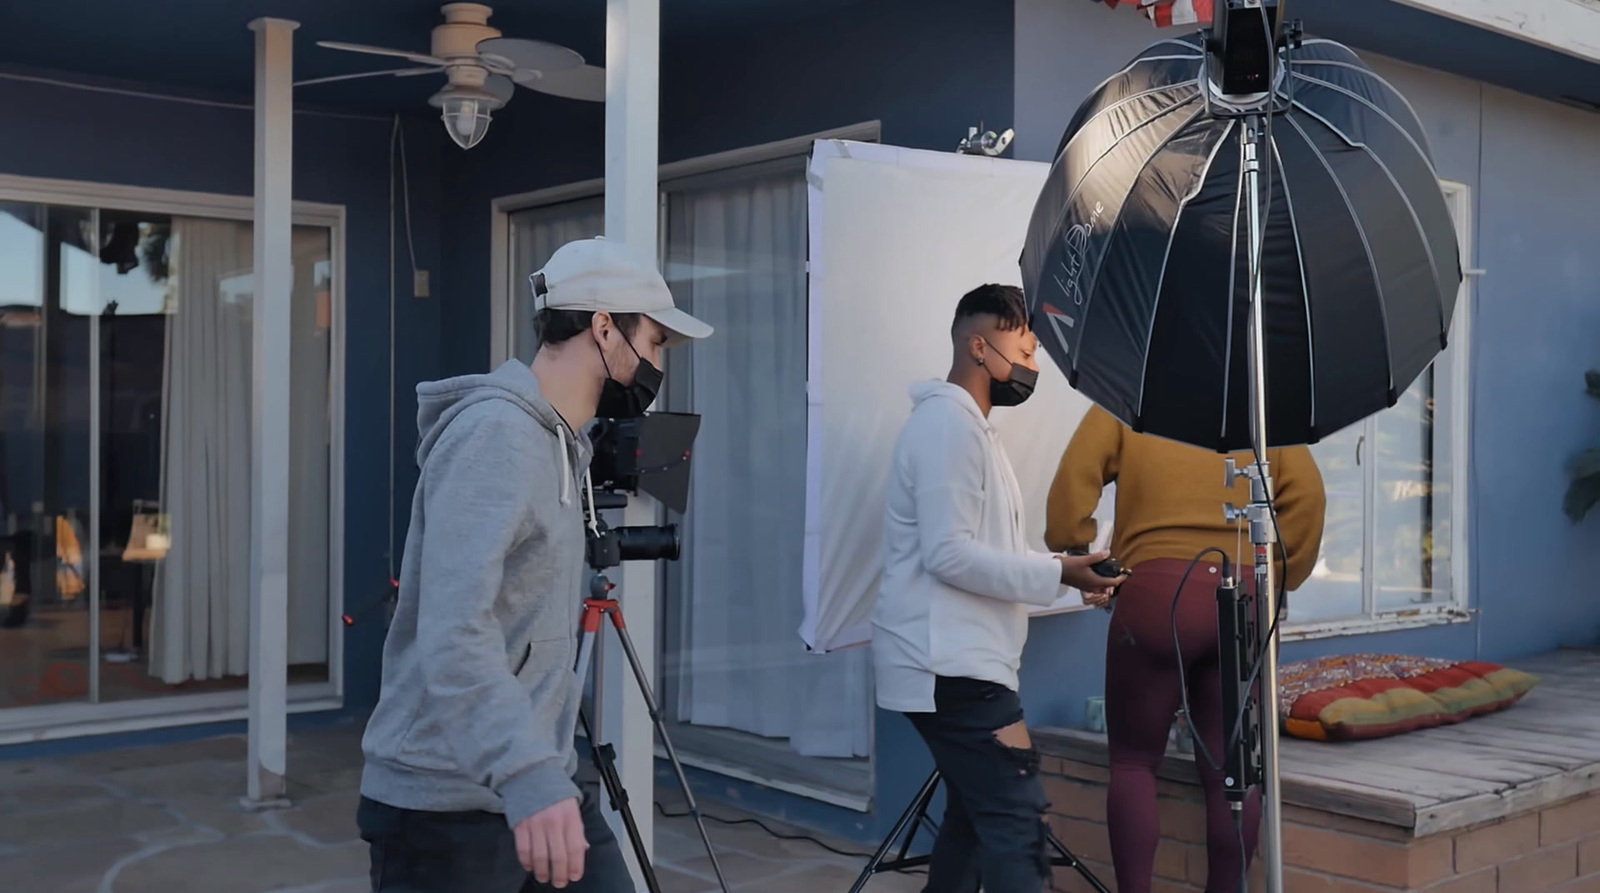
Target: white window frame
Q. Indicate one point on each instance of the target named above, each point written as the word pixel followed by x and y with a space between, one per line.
pixel 1459 378
pixel 76 719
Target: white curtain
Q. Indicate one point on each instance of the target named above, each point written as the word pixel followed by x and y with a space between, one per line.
pixel 310 433
pixel 736 256
pixel 535 235
pixel 201 623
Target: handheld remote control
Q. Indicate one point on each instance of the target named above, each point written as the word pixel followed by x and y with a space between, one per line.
pixel 1111 569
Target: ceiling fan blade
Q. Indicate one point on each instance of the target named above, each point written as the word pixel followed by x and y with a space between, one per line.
pixel 420 58
pixel 397 72
pixel 531 55
pixel 587 83
pixel 500 86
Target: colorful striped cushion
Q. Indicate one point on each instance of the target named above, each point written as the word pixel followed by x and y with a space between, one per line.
pixel 1359 696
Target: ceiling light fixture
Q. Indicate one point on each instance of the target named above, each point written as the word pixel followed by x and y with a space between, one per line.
pixel 466 112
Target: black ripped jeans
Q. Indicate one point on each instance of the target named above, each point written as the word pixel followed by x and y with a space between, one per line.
pixel 993 832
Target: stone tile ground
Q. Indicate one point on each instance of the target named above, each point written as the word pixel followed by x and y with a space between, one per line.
pixel 167 819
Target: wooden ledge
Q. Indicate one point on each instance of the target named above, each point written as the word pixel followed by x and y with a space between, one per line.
pixel 1540 752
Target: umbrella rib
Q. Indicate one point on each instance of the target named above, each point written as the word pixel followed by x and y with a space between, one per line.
pixel 1066 204
pixel 1129 67
pixel 1411 209
pixel 1183 205
pixel 1305 286
pixel 1083 323
pixel 1366 246
pixel 1124 101
pixel 1130 131
pixel 1375 76
pixel 1127 99
pixel 1422 150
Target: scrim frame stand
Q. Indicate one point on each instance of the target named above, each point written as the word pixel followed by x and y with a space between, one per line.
pixel 916 815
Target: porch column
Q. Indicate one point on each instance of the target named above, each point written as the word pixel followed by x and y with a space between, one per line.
pixel 633 53
pixel 269 408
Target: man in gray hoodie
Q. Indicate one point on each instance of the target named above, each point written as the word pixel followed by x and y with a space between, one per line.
pixel 469 777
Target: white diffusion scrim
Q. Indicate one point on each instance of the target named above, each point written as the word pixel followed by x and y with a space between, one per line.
pixel 897 236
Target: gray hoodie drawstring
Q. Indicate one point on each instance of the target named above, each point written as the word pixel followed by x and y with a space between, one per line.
pixel 566 467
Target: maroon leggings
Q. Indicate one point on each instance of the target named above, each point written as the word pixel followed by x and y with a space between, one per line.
pixel 1143 694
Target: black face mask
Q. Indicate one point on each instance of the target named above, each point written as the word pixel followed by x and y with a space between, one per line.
pixel 1015 391
pixel 620 401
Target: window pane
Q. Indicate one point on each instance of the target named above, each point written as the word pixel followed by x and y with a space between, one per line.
pixel 310 452
pixel 44 454
pixel 1334 590
pixel 535 235
pixel 1412 513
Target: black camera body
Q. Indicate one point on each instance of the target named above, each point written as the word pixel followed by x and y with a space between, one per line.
pixel 649 454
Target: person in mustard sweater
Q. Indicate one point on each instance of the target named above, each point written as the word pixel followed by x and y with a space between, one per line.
pixel 1169 508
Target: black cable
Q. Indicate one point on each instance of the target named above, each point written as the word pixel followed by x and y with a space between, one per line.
pixel 806 838
pixel 1278 615
pixel 1183 675
pixel 1283 555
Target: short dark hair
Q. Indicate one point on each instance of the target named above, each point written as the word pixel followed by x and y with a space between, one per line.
pixel 551 326
pixel 1003 302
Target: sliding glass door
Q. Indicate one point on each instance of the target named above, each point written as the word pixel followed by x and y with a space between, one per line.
pixel 125 454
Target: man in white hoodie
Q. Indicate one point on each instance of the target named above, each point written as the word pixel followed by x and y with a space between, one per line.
pixel 951 616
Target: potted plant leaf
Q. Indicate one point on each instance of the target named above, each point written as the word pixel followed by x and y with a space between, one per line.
pixel 1584 491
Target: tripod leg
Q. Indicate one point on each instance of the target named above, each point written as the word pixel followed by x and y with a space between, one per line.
pixel 585 655
pixel 920 815
pixel 604 757
pixel 1065 857
pixel 666 744
pixel 914 812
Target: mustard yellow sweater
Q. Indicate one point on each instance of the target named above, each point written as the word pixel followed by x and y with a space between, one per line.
pixel 1170 497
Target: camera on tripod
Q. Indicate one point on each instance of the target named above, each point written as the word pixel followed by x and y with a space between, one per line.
pixel 649 454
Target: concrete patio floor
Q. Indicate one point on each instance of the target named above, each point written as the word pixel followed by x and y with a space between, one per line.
pixel 167 819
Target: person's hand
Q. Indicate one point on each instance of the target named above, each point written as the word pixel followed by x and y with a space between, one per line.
pixel 1097 599
pixel 1075 572
pixel 550 844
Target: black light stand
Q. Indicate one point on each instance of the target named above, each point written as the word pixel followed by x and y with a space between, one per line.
pixel 1246 37
pixel 916 815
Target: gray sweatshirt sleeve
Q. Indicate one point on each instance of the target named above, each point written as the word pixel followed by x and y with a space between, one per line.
pixel 483 480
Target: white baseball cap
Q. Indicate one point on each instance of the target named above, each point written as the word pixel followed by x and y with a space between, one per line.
pixel 600 275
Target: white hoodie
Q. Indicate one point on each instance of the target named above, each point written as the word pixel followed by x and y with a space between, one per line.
pixel 957 570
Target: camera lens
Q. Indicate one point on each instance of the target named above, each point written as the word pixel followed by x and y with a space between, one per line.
pixel 648 543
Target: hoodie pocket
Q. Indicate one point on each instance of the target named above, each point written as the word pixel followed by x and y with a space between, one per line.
pixel 425 744
pixel 527 652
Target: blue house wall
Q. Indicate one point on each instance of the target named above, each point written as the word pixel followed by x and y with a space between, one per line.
pixel 926 70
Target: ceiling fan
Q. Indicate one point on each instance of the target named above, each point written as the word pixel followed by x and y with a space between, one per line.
pixel 484 69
